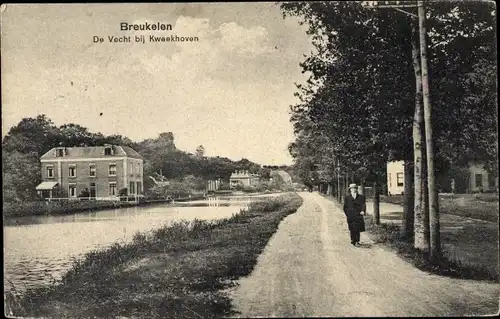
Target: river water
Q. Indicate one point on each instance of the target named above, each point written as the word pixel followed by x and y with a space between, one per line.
pixel 38 250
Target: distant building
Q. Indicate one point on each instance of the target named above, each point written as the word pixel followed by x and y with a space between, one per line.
pixel 243 178
pixel 480 180
pixel 476 179
pixel 98 172
pixel 395 178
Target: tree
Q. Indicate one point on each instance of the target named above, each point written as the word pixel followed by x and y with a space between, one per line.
pixel 21 174
pixel 200 151
pixel 357 63
pixel 421 212
pixel 36 135
pixel 75 135
pixel 343 76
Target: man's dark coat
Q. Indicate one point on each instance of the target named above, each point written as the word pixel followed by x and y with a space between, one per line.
pixel 352 209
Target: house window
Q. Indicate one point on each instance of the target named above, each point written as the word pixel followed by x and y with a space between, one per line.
pixel 131 188
pixel 92 170
pixel 72 171
pixel 59 152
pixel 400 178
pixel 390 180
pixel 72 190
pixel 137 168
pixel 112 169
pixel 139 188
pixel 112 189
pixel 107 151
pixel 50 171
pixel 479 180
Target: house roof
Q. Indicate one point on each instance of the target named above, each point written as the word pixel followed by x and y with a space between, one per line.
pixel 131 152
pixel 93 152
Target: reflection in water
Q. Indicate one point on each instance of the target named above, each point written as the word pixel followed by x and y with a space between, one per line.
pixel 41 248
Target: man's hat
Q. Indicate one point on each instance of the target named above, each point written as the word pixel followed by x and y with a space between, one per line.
pixel 353 186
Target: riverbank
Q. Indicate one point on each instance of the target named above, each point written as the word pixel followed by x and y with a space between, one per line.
pixel 176 271
pixel 64 207
pixel 54 208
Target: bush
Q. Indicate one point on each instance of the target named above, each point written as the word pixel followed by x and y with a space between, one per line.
pixel 123 192
pixel 249 189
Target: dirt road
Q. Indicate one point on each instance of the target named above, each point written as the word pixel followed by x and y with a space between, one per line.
pixel 309 268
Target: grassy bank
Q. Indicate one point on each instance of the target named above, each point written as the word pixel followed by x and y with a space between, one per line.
pixel 446 265
pixel 478 206
pixel 39 208
pixel 176 271
pixel 11 209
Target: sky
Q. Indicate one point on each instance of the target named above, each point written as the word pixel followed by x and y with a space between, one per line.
pixel 229 92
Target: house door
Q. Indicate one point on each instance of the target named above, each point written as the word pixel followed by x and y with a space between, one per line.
pixel 92 190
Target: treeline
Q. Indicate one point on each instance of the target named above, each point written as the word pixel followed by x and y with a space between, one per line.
pixel 26 142
pixel 362 104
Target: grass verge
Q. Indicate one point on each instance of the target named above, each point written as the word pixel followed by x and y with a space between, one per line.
pixel 175 271
pixel 391 236
pixel 477 206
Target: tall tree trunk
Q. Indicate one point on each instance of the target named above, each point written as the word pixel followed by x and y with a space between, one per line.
pixel 421 218
pixel 425 203
pixel 435 236
pixel 408 215
pixel 329 190
pixel 376 203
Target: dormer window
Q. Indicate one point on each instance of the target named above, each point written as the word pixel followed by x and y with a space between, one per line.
pixel 59 152
pixel 108 150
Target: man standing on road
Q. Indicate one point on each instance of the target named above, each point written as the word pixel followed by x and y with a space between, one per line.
pixel 354 209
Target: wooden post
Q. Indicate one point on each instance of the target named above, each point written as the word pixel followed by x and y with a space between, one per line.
pixel 339 192
pixel 376 203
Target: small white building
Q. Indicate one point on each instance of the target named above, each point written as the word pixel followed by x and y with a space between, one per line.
pixel 395 178
pixel 480 180
pixel 243 178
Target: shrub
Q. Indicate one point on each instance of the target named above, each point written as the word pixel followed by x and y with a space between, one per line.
pixel 249 189
pixel 123 192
